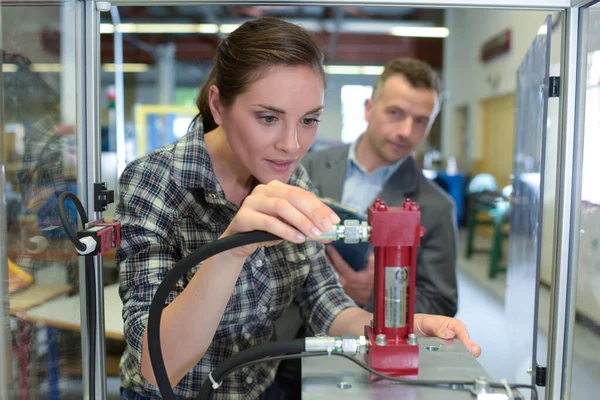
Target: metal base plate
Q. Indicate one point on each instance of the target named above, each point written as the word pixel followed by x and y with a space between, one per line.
pixel 333 377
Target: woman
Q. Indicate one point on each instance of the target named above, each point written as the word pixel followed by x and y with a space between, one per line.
pixel 236 170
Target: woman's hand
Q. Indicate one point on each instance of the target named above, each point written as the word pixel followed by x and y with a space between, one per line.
pixel 445 328
pixel 286 211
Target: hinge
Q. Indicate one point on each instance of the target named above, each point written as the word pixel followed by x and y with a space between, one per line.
pixel 540 375
pixel 554 89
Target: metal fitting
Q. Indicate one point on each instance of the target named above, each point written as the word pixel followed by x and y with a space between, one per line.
pixel 316 344
pixel 380 340
pixel 481 386
pixel 103 6
pixel 412 339
pixel 348 344
pixel 351 231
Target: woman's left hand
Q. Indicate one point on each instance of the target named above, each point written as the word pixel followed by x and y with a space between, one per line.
pixel 445 328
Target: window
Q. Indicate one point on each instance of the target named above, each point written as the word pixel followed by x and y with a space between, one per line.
pixel 353 111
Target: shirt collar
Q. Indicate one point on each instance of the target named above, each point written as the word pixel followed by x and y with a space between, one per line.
pixel 386 171
pixel 192 167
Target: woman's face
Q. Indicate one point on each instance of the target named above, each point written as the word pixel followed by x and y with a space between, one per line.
pixel 272 125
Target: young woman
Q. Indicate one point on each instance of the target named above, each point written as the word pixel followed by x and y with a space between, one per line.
pixel 236 170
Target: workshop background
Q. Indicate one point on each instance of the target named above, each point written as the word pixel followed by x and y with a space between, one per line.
pixel 167 53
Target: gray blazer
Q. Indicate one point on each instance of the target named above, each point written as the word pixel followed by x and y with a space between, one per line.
pixel 436 257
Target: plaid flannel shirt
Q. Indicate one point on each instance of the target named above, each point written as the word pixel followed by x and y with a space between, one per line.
pixel 170 204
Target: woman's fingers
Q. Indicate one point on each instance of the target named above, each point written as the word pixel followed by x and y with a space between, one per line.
pixel 282 209
pixel 304 201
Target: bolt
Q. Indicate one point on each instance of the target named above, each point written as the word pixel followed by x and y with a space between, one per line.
pixel 530 371
pixel 412 339
pixel 381 340
pixel 482 385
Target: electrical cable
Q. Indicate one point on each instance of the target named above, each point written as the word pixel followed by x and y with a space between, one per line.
pixel 243 358
pixel 206 390
pixel 64 219
pixel 89 277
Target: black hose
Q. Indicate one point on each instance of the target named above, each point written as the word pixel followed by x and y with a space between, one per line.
pixel 270 349
pixel 64 219
pixel 164 290
pixel 89 277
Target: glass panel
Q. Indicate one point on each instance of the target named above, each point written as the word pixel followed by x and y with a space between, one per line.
pixel 526 208
pixel 38 97
pixel 586 338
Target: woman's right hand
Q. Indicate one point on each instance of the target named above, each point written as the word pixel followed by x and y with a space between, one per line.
pixel 289 212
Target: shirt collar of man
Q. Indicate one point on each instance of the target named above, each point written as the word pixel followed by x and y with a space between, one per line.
pixel 385 171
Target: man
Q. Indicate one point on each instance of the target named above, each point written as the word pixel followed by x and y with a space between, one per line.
pixel 400 113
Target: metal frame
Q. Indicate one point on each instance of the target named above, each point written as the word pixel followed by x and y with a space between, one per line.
pixel 569 245
pixel 550 5
pixel 89 172
pixel 562 300
pixel 567 192
pixel 5 338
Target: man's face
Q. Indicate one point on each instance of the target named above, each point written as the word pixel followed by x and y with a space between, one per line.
pixel 399 119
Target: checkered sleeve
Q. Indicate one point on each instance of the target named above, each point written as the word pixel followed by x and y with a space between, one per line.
pixel 321 298
pixel 148 248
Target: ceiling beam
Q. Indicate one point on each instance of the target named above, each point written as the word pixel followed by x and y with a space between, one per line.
pixel 350 48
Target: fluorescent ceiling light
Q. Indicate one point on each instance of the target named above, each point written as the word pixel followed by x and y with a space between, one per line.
pixel 228 28
pixel 127 67
pixel 420 31
pixel 159 28
pixel 353 69
pixel 56 67
pixel 107 28
pixel 9 68
pixel 50 67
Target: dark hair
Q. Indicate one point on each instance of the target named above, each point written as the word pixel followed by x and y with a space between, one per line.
pixel 418 73
pixel 251 50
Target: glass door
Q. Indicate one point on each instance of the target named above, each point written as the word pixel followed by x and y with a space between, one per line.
pixel 526 205
pixel 43 131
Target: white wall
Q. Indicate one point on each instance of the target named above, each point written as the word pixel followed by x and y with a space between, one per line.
pixel 466 77
pixel 466 83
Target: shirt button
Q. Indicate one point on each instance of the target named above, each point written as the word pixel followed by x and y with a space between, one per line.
pixel 247 336
pixel 259 263
pixel 249 380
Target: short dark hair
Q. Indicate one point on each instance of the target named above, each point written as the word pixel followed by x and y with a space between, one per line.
pixel 418 73
pixel 251 50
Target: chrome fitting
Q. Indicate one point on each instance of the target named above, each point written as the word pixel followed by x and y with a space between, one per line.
pixel 316 344
pixel 351 231
pixel 347 344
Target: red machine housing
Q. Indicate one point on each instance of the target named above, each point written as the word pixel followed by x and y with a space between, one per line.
pixel 395 234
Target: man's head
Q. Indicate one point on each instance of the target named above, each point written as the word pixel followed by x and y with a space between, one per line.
pixel 404 104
